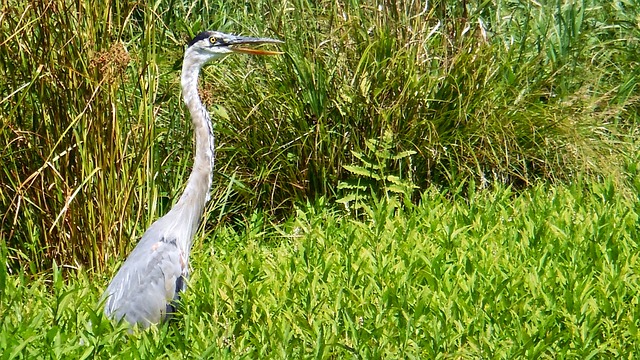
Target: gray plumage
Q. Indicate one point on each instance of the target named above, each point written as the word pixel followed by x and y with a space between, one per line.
pixel 147 286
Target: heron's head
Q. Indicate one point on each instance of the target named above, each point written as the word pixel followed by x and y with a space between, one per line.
pixel 209 45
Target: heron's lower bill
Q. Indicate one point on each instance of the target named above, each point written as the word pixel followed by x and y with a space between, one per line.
pixel 251 51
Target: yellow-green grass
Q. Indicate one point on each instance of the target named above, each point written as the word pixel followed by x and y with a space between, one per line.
pixel 551 272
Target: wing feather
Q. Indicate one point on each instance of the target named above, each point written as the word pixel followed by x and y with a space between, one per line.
pixel 147 282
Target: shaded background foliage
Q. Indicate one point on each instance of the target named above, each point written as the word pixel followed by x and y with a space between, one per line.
pixel 96 143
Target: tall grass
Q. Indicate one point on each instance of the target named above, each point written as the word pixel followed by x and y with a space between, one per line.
pixel 59 127
pixel 96 143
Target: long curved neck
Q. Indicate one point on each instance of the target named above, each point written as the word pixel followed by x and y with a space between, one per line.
pixel 196 192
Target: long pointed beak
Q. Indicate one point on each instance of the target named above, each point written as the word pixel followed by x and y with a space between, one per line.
pixel 241 44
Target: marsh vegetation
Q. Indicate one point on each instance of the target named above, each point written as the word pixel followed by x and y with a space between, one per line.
pixel 410 179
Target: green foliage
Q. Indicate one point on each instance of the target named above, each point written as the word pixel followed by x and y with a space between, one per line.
pixel 380 174
pixel 551 272
pixel 472 103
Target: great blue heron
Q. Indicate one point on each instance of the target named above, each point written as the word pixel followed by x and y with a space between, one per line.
pixel 146 287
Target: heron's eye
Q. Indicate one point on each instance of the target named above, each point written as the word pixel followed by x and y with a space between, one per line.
pixel 213 40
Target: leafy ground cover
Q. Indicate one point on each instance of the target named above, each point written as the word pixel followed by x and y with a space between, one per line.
pixel 551 272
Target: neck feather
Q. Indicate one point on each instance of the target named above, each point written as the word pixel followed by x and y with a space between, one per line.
pixel 196 192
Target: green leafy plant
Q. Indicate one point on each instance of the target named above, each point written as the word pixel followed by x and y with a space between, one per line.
pixel 380 173
pixel 550 271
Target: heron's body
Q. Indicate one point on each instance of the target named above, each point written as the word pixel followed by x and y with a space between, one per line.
pixel 147 285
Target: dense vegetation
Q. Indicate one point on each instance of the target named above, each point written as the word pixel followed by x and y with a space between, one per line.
pixel 97 143
pixel 410 179
pixel 550 273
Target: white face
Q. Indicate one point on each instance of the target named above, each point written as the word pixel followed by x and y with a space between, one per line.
pixel 209 48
